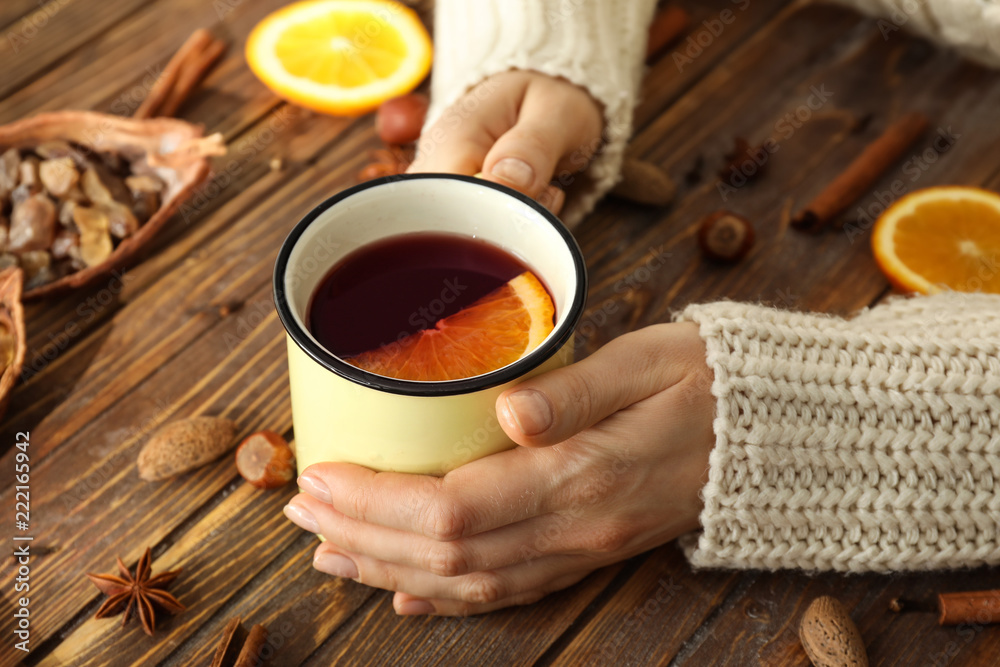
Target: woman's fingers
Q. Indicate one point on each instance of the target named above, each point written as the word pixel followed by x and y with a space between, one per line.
pixel 553 407
pixel 410 605
pixel 490 492
pixel 486 587
pixel 550 126
pixel 552 198
pixel 461 137
pixel 522 541
pixel 452 145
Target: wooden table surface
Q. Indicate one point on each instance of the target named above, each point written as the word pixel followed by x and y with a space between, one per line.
pixel 192 330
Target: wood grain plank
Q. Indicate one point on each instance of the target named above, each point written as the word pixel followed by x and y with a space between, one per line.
pixel 298 605
pixel 651 616
pixel 242 179
pixel 115 72
pixel 75 24
pixel 514 636
pixel 228 534
pixel 131 367
pixel 234 268
pixel 107 501
pixel 717 27
pixel 641 269
pixel 761 626
pixel 22 17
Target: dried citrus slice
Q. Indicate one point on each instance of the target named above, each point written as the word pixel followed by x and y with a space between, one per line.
pixel 941 238
pixel 342 57
pixel 496 330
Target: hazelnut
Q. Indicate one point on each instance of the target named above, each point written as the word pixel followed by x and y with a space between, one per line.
pixel 265 460
pixel 725 236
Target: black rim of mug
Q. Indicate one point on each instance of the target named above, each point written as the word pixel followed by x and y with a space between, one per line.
pixel 549 346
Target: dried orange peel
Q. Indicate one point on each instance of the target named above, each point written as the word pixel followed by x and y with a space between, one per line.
pixel 342 57
pixel 941 238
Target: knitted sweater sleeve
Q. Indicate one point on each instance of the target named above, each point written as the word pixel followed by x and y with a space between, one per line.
pixel 972 27
pixel 595 44
pixel 870 444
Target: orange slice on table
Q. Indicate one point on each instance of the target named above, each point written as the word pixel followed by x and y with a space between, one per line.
pixel 943 238
pixel 496 330
pixel 342 57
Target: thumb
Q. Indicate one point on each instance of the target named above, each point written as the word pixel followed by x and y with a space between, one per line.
pixel 452 145
pixel 526 156
pixel 553 407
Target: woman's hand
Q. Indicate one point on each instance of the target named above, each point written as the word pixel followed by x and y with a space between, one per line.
pixel 518 128
pixel 614 450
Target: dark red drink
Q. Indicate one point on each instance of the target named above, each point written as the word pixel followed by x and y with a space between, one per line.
pixel 397 286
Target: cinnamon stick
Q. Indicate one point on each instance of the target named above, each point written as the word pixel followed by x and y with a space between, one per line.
pixel 253 647
pixel 181 75
pixel 862 173
pixel 198 40
pixel 978 607
pixel 667 25
pixel 190 76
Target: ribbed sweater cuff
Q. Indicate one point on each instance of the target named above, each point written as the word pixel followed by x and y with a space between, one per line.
pixel 595 44
pixel 864 445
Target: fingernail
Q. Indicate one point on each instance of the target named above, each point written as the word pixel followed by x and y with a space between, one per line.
pixel 415 608
pixel 301 518
pixel 315 487
pixel 515 172
pixel 530 410
pixel 336 564
pixel 554 199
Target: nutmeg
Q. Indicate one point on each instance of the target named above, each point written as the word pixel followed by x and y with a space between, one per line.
pixel 644 183
pixel 725 236
pixel 829 636
pixel 184 445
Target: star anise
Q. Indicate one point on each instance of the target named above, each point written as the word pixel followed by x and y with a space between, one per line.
pixel 140 592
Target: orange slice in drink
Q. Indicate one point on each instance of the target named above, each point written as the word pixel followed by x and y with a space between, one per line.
pixel 342 57
pixel 941 238
pixel 496 330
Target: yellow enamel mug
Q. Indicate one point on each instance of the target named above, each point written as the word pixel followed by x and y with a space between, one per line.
pixel 342 413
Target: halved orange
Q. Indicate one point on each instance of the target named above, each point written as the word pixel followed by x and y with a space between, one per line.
pixel 342 57
pixel 496 330
pixel 941 238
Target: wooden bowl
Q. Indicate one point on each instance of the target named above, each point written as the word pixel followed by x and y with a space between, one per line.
pixel 13 342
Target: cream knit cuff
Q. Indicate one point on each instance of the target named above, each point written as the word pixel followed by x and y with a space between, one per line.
pixel 595 44
pixel 972 27
pixel 870 444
